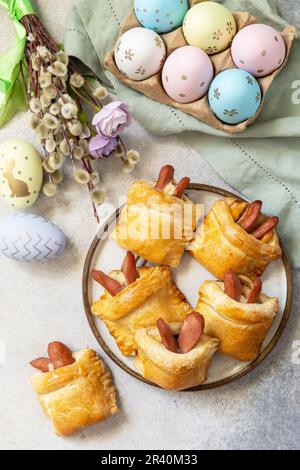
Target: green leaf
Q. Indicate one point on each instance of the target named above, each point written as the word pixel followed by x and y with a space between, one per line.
pixel 17 101
pixel 13 96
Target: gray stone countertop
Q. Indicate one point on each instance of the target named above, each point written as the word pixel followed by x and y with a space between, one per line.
pixel 42 303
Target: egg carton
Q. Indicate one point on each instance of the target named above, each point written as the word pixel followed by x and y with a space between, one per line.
pixel 153 88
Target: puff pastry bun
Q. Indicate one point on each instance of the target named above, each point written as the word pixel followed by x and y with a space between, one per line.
pixel 221 243
pixel 155 224
pixel 77 395
pixel 170 370
pixel 152 296
pixel 240 327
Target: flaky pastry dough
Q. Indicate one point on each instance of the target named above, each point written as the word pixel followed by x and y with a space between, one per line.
pixel 170 370
pixel 155 224
pixel 77 395
pixel 240 327
pixel 152 296
pixel 221 243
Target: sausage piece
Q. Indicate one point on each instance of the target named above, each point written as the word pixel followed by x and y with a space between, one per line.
pixel 250 216
pixel 181 187
pixel 232 285
pixel 166 335
pixel 112 286
pixel 41 363
pixel 254 295
pixel 265 228
pixel 191 331
pixel 129 268
pixel 60 355
pixel 166 175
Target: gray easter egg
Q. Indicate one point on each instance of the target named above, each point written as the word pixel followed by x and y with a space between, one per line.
pixel 28 237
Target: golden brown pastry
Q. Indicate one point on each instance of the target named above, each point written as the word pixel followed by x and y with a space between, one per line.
pixel 158 220
pixel 236 235
pixel 77 394
pixel 238 314
pixel 162 362
pixel 137 301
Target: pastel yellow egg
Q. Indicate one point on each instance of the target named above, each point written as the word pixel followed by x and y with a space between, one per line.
pixel 210 26
pixel 21 173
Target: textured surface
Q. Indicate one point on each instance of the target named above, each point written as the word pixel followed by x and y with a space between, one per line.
pixel 43 303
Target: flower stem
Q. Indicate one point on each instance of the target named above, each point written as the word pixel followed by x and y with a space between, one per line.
pixel 88 102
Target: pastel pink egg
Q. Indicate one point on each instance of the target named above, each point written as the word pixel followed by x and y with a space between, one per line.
pixel 258 49
pixel 187 74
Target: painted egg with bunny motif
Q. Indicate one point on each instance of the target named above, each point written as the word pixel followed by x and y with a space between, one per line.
pixel 140 53
pixel 161 15
pixel 21 173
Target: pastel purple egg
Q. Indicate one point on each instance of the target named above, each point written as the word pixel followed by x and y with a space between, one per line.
pixel 187 74
pixel 258 49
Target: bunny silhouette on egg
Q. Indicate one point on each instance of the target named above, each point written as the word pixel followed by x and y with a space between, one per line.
pixel 18 187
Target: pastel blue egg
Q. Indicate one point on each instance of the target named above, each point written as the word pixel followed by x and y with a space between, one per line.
pixel 234 96
pixel 161 15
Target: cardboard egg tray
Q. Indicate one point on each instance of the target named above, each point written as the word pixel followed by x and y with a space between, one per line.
pixel 152 87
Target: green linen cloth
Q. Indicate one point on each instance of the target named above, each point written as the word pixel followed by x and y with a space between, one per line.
pixel 263 162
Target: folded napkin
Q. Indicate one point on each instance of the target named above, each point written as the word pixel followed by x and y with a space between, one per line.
pixel 263 162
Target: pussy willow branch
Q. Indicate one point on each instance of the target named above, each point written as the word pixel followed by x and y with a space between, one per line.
pixel 40 37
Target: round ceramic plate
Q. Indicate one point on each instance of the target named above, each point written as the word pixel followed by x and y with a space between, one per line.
pixel 104 254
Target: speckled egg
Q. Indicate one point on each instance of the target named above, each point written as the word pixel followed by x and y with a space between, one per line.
pixel 21 173
pixel 234 96
pixel 161 15
pixel 187 74
pixel 258 49
pixel 140 53
pixel 210 26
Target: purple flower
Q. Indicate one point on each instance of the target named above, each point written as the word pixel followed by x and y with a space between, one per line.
pixel 101 146
pixel 112 119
